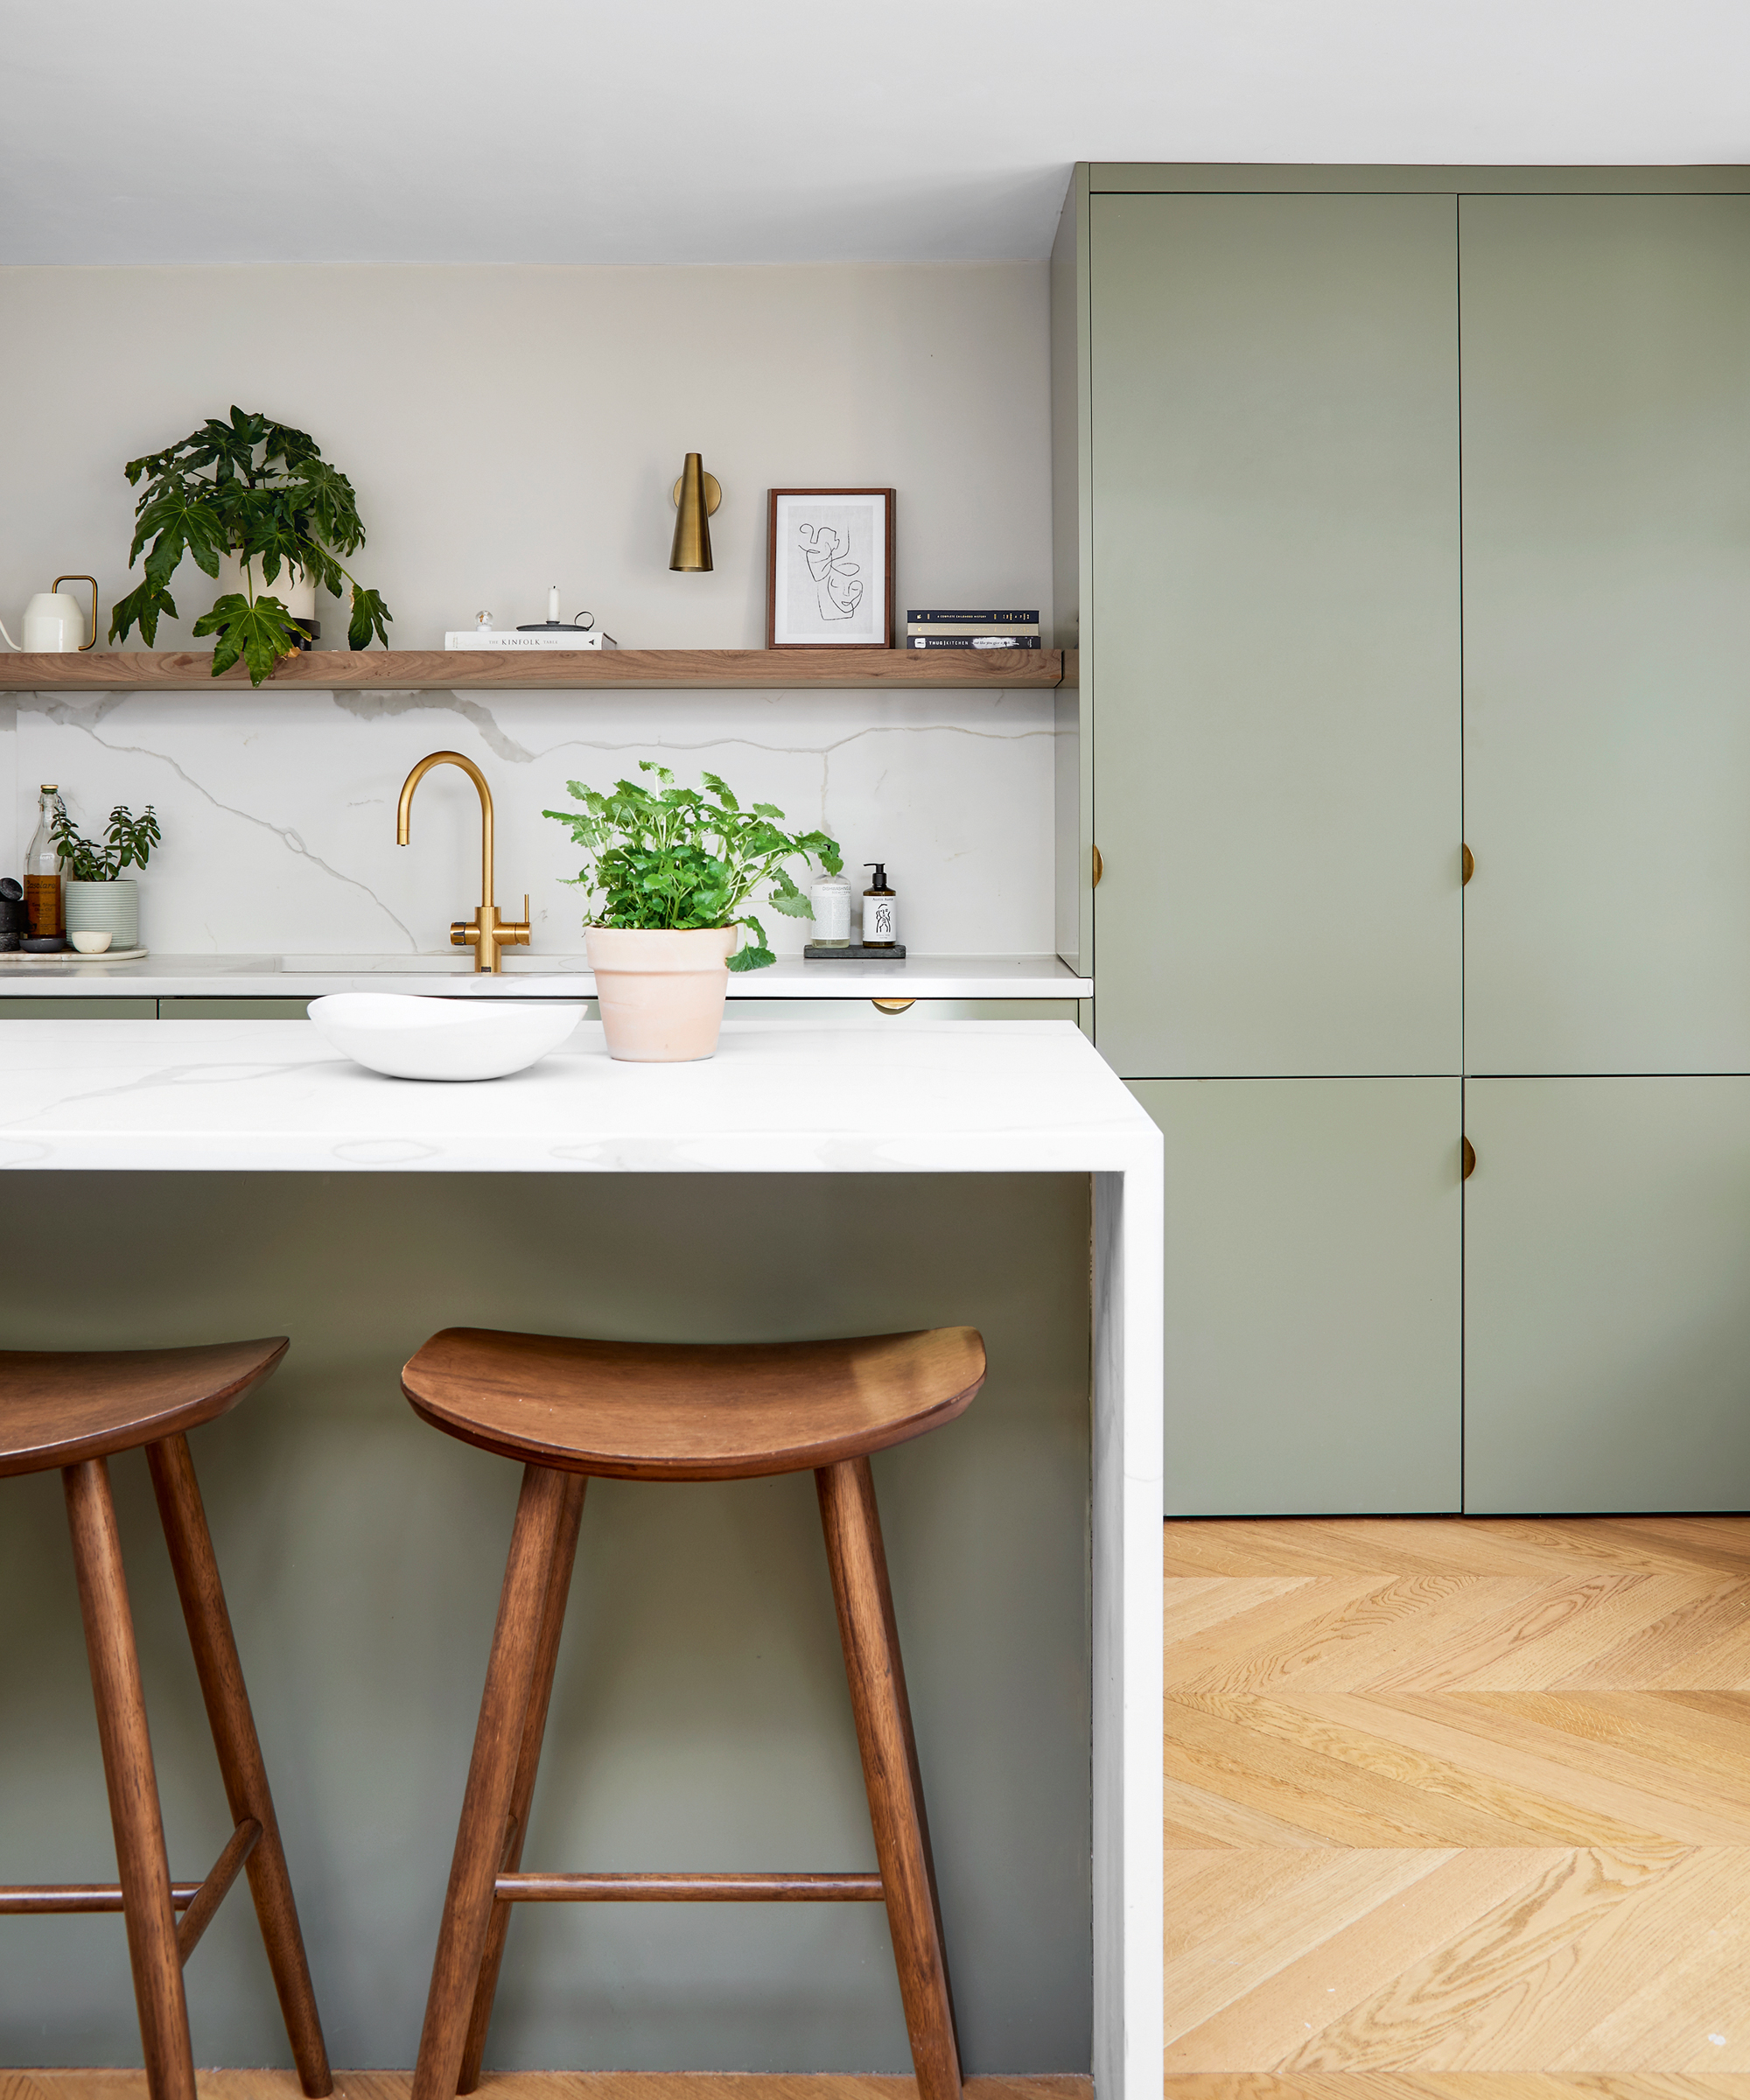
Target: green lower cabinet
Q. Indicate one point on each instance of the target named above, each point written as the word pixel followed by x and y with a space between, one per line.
pixel 232 1010
pixel 1314 1255
pixel 1607 1320
pixel 52 1009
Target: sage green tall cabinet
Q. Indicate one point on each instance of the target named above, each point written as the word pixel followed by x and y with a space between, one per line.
pixel 1400 509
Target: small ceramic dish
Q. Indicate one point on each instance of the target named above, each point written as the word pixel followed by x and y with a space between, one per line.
pixel 91 943
pixel 408 1038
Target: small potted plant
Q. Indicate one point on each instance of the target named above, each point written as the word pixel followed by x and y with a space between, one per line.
pixel 99 898
pixel 670 875
pixel 271 505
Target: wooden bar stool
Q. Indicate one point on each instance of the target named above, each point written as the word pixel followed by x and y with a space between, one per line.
pixel 653 1411
pixel 71 1411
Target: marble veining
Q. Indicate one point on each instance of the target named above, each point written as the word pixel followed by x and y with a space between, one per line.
pixel 278 809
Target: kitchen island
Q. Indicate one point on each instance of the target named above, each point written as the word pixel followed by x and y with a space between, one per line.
pixel 217 1169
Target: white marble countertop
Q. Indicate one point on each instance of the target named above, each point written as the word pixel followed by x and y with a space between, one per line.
pixel 526 976
pixel 989 1096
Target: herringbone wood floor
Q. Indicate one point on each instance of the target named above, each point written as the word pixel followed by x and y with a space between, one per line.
pixel 1457 1810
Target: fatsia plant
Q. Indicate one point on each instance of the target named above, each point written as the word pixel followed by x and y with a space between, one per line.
pixel 261 491
pixel 676 858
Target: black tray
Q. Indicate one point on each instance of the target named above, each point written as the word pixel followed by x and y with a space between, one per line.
pixel 855 952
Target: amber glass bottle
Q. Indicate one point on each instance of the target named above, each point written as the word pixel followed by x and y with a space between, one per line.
pixel 42 870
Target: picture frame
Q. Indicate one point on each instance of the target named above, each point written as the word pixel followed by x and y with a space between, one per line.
pixel 829 569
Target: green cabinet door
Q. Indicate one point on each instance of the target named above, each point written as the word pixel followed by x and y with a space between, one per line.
pixel 1270 633
pixel 1606 459
pixel 1608 1322
pixel 1314 1314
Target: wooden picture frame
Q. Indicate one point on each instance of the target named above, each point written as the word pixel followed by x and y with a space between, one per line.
pixel 833 588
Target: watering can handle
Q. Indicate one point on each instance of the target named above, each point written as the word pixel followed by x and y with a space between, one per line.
pixel 92 580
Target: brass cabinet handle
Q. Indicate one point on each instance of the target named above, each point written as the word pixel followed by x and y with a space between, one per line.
pixel 1099 867
pixel 1469 861
pixel 1470 1156
pixel 892 1006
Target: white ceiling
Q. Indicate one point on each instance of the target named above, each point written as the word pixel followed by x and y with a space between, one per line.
pixel 780 131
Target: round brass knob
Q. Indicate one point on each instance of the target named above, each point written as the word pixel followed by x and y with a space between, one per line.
pixel 1469 859
pixel 892 1006
pixel 1099 867
pixel 1469 1156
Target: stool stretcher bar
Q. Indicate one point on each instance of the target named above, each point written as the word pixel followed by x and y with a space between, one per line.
pixel 200 1900
pixel 689 1888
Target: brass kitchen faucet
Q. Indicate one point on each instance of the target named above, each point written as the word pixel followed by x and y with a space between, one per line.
pixel 486 932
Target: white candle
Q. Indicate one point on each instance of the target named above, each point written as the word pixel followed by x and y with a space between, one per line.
pixel 553 602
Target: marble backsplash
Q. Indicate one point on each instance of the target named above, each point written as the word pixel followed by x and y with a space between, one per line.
pixel 278 811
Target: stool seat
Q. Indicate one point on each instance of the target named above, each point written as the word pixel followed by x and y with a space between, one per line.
pixel 61 1407
pixel 682 1412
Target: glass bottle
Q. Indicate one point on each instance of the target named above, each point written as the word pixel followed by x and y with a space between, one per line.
pixel 42 870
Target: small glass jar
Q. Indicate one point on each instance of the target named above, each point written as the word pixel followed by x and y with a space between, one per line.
pixel 830 902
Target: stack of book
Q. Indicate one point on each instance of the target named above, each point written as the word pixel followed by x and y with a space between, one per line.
pixel 975 630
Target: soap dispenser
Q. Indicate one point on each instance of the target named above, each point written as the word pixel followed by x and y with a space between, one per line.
pixel 880 910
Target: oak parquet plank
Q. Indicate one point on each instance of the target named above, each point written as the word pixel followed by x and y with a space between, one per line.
pixel 1718 1540
pixel 1710 1754
pixel 1520 1984
pixel 1263 2028
pixel 1549 1630
pixel 1521 1753
pixel 1345 1804
pixel 1233 1928
pixel 1246 1546
pixel 1198 1605
pixel 1699 1990
pixel 1210 1819
pixel 1701 1645
pixel 1543 1548
pixel 1514 1815
pixel 1275 1629
pixel 1514 1724
pixel 1450 2085
pixel 1393 1643
pixel 1327 1630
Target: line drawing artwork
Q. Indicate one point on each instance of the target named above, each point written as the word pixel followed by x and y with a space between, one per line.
pixel 838 586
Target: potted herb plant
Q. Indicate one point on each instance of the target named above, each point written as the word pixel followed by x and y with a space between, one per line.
pixel 670 875
pixel 99 898
pixel 260 494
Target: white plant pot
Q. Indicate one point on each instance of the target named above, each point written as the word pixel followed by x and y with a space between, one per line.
pixel 291 587
pixel 105 908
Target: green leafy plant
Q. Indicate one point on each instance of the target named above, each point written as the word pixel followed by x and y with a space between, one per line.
pixel 127 842
pixel 678 859
pixel 271 499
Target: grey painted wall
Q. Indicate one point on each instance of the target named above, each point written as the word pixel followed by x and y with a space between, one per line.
pixel 700 1718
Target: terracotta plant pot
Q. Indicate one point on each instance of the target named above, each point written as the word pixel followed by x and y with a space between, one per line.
pixel 662 994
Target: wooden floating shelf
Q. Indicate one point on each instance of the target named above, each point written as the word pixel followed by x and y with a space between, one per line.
pixel 419 671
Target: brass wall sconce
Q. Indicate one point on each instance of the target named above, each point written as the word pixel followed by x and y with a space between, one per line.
pixel 697 494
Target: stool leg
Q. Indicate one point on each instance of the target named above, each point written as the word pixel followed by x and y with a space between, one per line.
pixel 239 1749
pixel 528 1762
pixel 132 1783
pixel 492 1779
pixel 870 1640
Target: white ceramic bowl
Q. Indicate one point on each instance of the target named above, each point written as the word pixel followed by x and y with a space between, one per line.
pixel 444 1039
pixel 90 942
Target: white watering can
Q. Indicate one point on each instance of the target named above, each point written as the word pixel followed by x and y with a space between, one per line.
pixel 54 619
